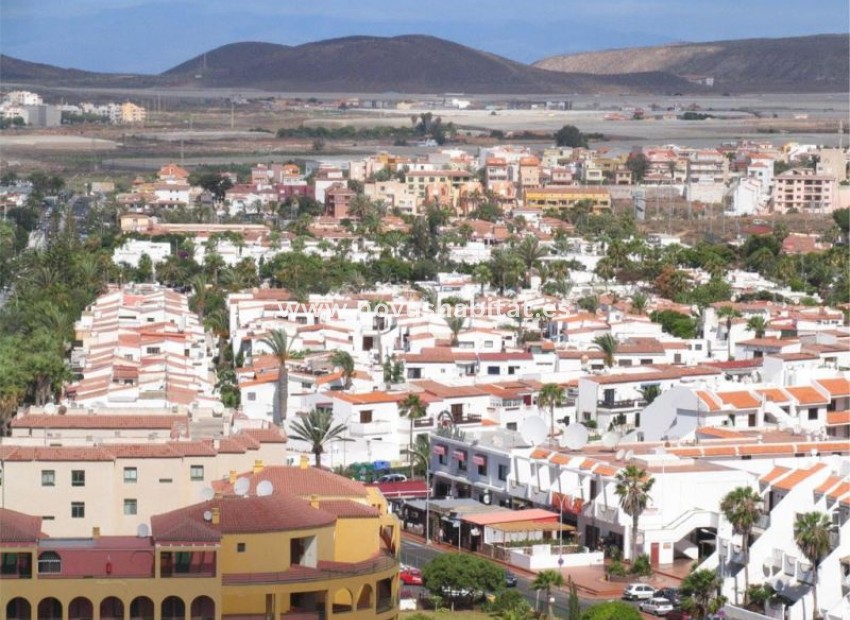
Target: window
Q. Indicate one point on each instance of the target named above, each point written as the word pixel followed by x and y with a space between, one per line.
pixel 166 480
pixel 49 562
pixel 492 370
pixel 511 426
pixel 48 478
pixel 503 472
pixel 131 475
pixel 78 478
pixel 442 458
pixel 240 547
pixel 252 397
pixel 365 417
pixel 152 350
pixel 813 413
pixel 482 470
pixel 78 510
pixel 131 507
pixel 461 465
pixel 196 472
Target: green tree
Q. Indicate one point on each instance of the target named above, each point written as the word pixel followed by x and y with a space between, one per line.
pixel 529 252
pixel 633 487
pixel 639 302
pixel 638 164
pixel 144 271
pixel 699 591
pixel 545 581
pixel 675 323
pixel 455 324
pixel 278 343
pixel 608 345
pixel 569 135
pixel 413 409
pixel 317 429
pixel 420 454
pixel 611 610
pixel 811 535
pixel 650 393
pixel 481 275
pixel 842 220
pixel 573 602
pixel 742 508
pixel 344 361
pixel 589 303
pixel 551 395
pixel 758 325
pixel 461 577
pixel 511 605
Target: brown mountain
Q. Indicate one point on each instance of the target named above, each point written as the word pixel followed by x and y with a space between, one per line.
pixel 407 64
pixel 796 64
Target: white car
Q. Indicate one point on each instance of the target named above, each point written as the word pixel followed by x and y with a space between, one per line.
pixel 657 605
pixel 638 592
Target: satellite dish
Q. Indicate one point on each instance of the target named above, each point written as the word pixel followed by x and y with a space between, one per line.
pixel 208 515
pixel 533 430
pixel 241 487
pixel 50 409
pixel 620 454
pixel 143 531
pixel 264 488
pixel 779 585
pixel 218 408
pixel 562 440
pixel 575 437
pixel 629 455
pixel 207 493
pixel 611 439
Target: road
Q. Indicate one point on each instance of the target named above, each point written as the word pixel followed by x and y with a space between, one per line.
pixel 418 554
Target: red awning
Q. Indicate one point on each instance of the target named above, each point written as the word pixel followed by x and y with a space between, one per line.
pixel 479 459
pixel 460 455
pixel 439 450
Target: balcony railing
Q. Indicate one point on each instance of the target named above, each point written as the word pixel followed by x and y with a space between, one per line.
pixel 325 570
pixel 471 418
pixel 423 422
pixel 762 523
pixel 365 429
pixel 629 403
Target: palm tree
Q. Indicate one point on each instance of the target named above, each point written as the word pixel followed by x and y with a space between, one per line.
pixel 218 323
pixel 481 275
pixel 199 294
pixel 608 345
pixel 811 534
pixel 420 453
pixel 639 302
pixel 699 589
pixel 546 580
pixel 344 361
pixel 455 324
pixel 633 487
pixel 758 325
pixel 278 342
pixel 529 252
pixel 728 313
pixel 414 409
pixel 742 508
pixel 551 395
pixel 317 429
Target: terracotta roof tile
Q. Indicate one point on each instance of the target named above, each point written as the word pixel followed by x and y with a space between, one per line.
pixel 99 421
pixel 807 395
pixel 797 476
pixel 306 482
pixel 560 459
pixel 540 453
pixel 774 474
pixel 18 527
pixel 606 470
pixel 836 387
pixel 837 418
pixel 740 400
pixel 708 400
pixel 828 484
pixel 347 509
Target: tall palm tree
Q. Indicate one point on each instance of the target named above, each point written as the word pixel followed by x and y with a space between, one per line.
pixel 455 324
pixel 530 252
pixel 639 302
pixel 481 275
pixel 811 534
pixel 758 325
pixel 633 487
pixel 414 409
pixel 700 593
pixel 317 429
pixel 551 395
pixel 608 345
pixel 344 361
pixel 199 294
pixel 420 453
pixel 729 313
pixel 742 508
pixel 218 323
pixel 546 580
pixel 278 342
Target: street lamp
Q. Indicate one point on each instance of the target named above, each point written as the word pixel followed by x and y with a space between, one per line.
pixel 428 500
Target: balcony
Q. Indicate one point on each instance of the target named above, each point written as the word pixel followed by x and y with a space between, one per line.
pixel 470 418
pixel 424 422
pixel 369 429
pixel 324 571
pixel 762 523
pixel 621 405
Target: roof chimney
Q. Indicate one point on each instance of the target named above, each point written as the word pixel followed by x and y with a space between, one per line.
pixel 305 462
pixel 216 515
pixel 95 532
pixel 258 466
pixel 314 501
pixel 232 476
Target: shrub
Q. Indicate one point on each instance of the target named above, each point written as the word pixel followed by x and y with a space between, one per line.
pixel 616 569
pixel 641 566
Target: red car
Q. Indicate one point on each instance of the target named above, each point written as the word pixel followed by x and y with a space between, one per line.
pixel 411 576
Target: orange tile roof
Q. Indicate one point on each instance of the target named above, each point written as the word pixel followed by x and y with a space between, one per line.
pixel 560 459
pixel 797 476
pixel 836 387
pixel 708 400
pixel 540 453
pixel 837 418
pixel 775 395
pixel 774 474
pixel 828 484
pixel 509 516
pixel 719 451
pixel 740 400
pixel 807 395
pixel 719 432
pixel 840 491
pixel 606 470
pixel 588 464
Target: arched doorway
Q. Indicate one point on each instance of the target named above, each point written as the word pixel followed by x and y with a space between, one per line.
pixel 173 608
pixel 343 601
pixel 141 608
pixel 112 608
pixel 203 608
pixel 364 601
pixel 80 608
pixel 18 608
pixel 49 609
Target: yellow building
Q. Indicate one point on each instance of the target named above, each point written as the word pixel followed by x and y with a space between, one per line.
pixel 565 197
pixel 265 553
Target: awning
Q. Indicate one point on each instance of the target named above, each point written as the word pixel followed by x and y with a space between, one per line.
pixel 439 450
pixel 460 455
pixel 479 459
pixel 532 526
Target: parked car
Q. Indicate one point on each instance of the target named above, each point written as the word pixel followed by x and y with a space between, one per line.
pixel 678 614
pixel 671 594
pixel 392 478
pixel 410 576
pixel 657 605
pixel 510 579
pixel 638 592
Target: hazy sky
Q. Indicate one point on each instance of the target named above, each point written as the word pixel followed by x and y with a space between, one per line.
pixel 150 36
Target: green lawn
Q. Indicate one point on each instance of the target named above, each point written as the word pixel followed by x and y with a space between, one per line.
pixel 445 615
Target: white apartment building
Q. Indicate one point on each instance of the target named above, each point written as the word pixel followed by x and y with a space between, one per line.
pixel 132 250
pixel 804 190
